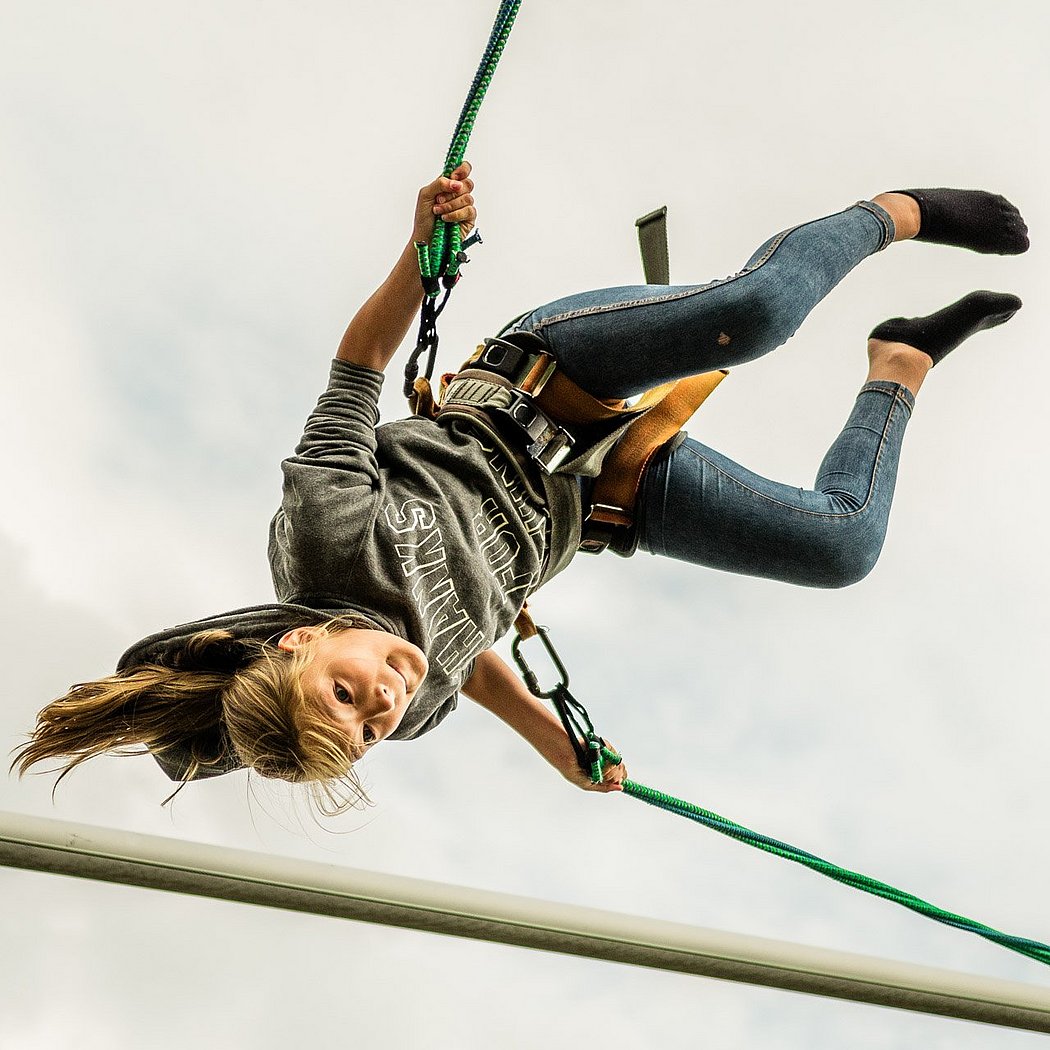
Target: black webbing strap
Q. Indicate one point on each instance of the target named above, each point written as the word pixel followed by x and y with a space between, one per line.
pixel 652 239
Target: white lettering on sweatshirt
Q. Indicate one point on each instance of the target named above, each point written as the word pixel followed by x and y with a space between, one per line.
pixel 421 553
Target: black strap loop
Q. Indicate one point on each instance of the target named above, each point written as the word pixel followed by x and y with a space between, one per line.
pixel 427 340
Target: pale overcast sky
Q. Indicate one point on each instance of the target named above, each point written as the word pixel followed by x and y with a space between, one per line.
pixel 194 198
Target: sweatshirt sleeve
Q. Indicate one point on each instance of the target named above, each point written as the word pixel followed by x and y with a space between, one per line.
pixel 330 484
pixel 340 432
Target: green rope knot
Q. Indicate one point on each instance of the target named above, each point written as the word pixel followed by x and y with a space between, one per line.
pixel 594 748
pixel 600 754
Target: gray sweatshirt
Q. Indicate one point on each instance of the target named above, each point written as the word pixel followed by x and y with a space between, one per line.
pixel 424 528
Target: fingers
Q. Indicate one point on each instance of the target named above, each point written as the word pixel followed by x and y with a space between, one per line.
pixel 448 198
pixel 612 779
pixel 453 193
pixel 449 189
pixel 459 209
pixel 457 197
pixel 614 776
pixel 457 183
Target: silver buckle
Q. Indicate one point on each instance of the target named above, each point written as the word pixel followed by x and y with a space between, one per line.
pixel 597 535
pixel 550 444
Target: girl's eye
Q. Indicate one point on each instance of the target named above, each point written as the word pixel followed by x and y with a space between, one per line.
pixel 369 735
pixel 342 694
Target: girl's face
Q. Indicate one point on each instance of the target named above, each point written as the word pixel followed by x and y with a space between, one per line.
pixel 363 678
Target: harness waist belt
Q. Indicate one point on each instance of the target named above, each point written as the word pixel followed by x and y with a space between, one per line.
pixel 547 443
pixel 516 383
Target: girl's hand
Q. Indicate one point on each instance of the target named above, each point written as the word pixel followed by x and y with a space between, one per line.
pixel 612 776
pixel 447 200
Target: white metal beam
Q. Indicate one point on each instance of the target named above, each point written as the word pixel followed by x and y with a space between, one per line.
pixel 131 859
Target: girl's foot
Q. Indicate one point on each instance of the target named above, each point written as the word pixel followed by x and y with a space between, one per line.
pixel 939 333
pixel 975 219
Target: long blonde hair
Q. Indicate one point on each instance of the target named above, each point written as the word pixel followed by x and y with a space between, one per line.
pixel 222 695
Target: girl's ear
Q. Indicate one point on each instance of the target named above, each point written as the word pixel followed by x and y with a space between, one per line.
pixel 292 640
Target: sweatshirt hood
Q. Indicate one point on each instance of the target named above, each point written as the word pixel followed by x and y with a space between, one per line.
pixel 254 622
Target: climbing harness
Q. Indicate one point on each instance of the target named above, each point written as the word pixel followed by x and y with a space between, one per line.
pixel 440 260
pixel 512 388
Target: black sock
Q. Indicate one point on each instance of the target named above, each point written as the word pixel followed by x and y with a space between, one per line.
pixel 940 333
pixel 984 222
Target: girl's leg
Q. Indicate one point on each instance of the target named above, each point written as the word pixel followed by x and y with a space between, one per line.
pixel 699 506
pixel 617 342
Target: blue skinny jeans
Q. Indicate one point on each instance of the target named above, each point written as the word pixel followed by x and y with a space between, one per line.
pixel 697 505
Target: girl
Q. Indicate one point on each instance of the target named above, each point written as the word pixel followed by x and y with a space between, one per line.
pixel 401 553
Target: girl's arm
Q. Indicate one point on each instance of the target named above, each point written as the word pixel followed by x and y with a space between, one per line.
pixel 380 326
pixel 499 690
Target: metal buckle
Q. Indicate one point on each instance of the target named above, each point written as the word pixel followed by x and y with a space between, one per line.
pixel 531 679
pixel 501 357
pixel 550 444
pixel 516 363
pixel 597 534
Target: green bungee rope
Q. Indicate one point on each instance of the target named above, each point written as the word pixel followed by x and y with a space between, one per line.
pixel 440 260
pixel 593 753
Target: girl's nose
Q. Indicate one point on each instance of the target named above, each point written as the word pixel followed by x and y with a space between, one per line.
pixel 385 697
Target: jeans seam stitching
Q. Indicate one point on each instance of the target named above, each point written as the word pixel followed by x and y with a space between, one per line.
pixel 694 290
pixel 889 230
